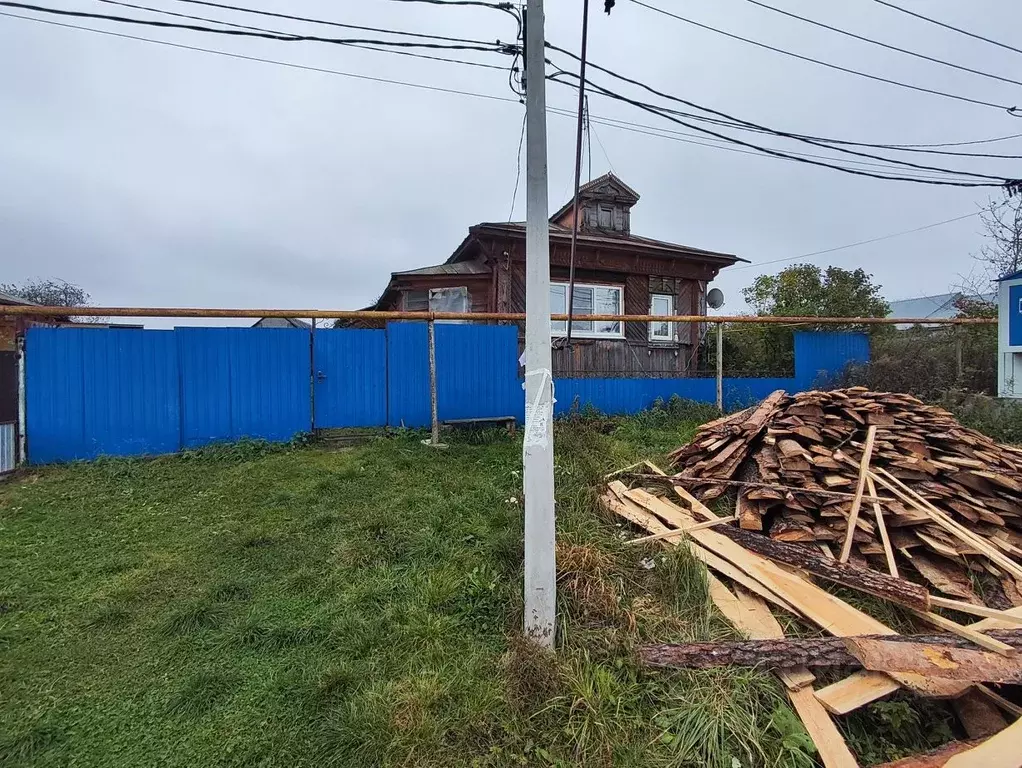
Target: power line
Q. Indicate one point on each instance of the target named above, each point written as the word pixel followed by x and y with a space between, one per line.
pixel 518 173
pixel 323 70
pixel 271 14
pixel 949 26
pixel 847 70
pixel 871 41
pixel 763 128
pixel 262 60
pixel 367 47
pixel 283 37
pixel 1006 184
pixel 856 245
pixel 690 138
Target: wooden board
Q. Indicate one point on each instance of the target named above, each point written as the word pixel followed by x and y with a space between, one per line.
pixel 830 744
pixel 1003 750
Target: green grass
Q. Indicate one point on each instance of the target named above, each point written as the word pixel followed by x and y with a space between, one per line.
pixel 251 606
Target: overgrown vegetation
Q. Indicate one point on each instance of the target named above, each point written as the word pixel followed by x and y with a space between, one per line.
pixel 262 606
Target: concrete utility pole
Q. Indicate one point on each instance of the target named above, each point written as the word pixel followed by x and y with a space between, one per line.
pixel 538 452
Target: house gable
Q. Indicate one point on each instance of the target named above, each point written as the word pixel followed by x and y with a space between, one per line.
pixel 605 206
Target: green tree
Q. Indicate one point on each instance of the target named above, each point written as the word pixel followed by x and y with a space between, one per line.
pixel 802 290
pixel 806 290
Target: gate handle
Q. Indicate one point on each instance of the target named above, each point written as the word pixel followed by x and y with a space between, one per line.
pixel 320 376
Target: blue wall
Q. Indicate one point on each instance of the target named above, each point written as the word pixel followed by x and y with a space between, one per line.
pixel 124 392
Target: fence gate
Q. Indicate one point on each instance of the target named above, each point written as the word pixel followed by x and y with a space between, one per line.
pixel 350 378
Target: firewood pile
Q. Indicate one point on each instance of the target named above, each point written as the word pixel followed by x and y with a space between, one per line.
pixel 875 492
pixel 793 464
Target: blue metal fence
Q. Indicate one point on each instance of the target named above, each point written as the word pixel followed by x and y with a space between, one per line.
pixel 124 392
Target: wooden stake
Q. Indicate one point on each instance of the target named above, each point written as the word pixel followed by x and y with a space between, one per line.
pixel 882 527
pixel 853 517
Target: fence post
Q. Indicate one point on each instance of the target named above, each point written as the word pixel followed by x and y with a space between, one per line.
pixel 958 355
pixel 434 438
pixel 22 458
pixel 720 367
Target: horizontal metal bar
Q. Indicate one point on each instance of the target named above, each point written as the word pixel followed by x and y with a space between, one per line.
pixel 34 311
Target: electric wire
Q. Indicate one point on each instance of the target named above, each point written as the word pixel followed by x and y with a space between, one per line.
pixel 949 26
pixel 283 37
pixel 848 70
pixel 367 47
pixel 871 41
pixel 1006 184
pixel 772 131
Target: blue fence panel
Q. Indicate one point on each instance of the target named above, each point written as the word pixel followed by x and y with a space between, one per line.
pixel 407 375
pixel 270 375
pixel 822 356
pixel 94 392
pixel 477 372
pixel 55 424
pixel 351 378
pixel 204 363
pixel 130 392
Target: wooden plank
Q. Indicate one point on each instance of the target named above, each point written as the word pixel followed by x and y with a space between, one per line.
pixel 910 497
pixel 933 661
pixel 856 690
pixel 878 513
pixel 829 612
pixel 976 610
pixel 935 759
pixel 945 578
pixel 830 744
pixel 847 574
pixel 984 641
pixel 637 514
pixel 860 486
pixel 1003 750
pixel 681 531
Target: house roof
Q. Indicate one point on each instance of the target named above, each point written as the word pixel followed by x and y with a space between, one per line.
pixel 7 298
pixel 457 268
pixel 558 231
pixel 939 307
pixel 626 192
pixel 1011 276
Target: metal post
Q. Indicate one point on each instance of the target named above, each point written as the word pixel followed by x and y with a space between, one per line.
pixel 434 439
pixel 720 367
pixel 22 420
pixel 570 297
pixel 313 375
pixel 538 449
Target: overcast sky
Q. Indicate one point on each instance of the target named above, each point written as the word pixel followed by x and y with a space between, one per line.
pixel 151 175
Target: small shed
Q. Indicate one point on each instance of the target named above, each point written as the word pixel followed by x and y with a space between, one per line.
pixel 1009 336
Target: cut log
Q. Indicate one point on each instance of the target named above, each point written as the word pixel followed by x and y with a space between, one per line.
pixel 862 579
pixel 934 661
pixel 817 652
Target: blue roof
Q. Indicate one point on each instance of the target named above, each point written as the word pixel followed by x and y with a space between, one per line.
pixel 1016 274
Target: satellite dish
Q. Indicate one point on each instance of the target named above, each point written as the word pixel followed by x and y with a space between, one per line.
pixel 715 298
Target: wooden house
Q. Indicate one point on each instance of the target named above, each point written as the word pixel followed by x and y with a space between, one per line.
pixel 616 272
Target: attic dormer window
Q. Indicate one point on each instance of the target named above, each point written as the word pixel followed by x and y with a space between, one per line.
pixel 605 217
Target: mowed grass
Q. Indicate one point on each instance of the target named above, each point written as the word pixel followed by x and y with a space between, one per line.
pixel 251 606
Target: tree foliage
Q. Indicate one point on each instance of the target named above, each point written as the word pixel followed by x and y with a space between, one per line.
pixel 49 293
pixel 806 290
pixel 802 290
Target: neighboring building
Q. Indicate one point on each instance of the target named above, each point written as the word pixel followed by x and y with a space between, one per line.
pixel 616 272
pixel 937 307
pixel 281 322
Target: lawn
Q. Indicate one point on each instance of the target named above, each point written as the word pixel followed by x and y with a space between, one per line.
pixel 256 606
